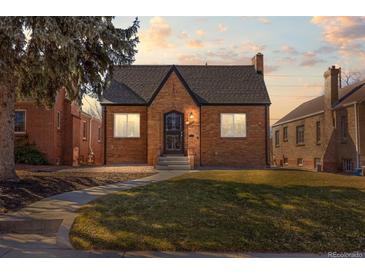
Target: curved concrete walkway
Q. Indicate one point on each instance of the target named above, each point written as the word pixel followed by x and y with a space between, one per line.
pixel 45 224
pixel 59 212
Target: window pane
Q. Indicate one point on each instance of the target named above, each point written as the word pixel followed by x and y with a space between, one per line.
pixel 240 125
pixel 227 126
pixel 133 125
pixel 120 125
pixel 19 121
pixel 127 125
pixel 233 125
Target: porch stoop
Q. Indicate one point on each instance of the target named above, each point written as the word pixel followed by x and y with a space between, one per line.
pixel 173 162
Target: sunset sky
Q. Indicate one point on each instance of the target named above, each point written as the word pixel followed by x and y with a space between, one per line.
pixel 297 50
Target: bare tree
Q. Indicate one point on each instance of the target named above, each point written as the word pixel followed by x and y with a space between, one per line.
pixel 350 77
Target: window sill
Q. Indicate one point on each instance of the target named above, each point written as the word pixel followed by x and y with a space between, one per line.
pixel 235 138
pixel 318 144
pixel 300 145
pixel 285 141
pixel 126 137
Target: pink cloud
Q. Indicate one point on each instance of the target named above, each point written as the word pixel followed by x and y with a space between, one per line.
pixel 194 44
pixel 310 59
pixel 157 35
pixel 341 31
pixel 200 32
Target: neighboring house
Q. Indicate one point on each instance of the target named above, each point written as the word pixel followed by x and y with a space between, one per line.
pixel 65 134
pixel 326 133
pixel 204 115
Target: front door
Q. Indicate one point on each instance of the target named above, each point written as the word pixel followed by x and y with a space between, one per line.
pixel 174 132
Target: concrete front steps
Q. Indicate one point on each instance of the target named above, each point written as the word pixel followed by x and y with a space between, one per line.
pixel 173 162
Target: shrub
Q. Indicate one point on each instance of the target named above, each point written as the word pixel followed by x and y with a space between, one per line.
pixel 29 154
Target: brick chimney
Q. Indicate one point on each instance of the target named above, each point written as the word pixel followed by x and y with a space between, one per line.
pixel 258 62
pixel 331 85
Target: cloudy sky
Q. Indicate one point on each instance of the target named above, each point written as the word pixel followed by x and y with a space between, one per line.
pixel 297 50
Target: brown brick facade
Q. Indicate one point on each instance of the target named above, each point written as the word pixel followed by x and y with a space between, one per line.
pixel 249 151
pixel 333 148
pixel 201 137
pixel 173 96
pixel 291 150
pixel 57 144
pixel 126 150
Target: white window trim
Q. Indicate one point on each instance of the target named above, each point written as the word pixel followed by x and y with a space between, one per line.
pixel 58 118
pixel 25 121
pixel 126 113
pixel 245 135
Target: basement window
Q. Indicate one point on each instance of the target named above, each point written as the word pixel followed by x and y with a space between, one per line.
pixel 347 165
pixel 285 161
pixel 300 162
pixel 317 164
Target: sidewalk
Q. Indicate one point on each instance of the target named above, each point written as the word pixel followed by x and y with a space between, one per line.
pixel 62 208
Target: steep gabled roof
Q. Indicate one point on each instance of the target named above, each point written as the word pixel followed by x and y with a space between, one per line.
pixel 350 94
pixel 138 84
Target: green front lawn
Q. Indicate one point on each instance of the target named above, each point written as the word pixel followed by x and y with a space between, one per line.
pixel 232 211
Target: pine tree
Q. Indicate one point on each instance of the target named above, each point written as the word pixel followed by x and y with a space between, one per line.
pixel 41 55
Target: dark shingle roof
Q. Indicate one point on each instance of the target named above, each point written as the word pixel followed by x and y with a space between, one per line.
pixel 137 84
pixel 350 94
pixel 307 108
pixel 355 94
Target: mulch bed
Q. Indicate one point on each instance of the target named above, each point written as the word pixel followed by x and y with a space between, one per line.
pixel 34 186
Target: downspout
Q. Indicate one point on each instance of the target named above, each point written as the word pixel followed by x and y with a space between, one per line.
pixel 200 135
pixel 105 137
pixel 266 137
pixel 90 146
pixel 357 145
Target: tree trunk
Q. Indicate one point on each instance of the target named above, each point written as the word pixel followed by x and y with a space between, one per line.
pixel 7 114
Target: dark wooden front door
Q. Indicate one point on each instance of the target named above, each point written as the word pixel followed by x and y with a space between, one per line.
pixel 174 132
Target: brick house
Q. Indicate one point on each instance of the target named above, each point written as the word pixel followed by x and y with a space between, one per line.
pixel 65 134
pixel 173 116
pixel 326 133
